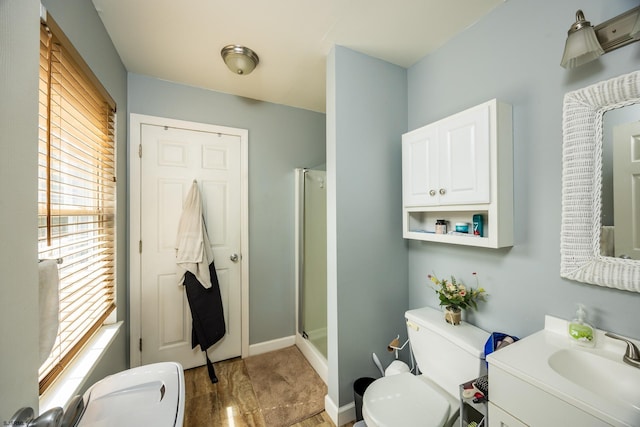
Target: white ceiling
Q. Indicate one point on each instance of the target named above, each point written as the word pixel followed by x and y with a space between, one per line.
pixel 180 41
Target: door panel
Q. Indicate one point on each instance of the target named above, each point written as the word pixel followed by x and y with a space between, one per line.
pixel 171 159
pixel 420 167
pixel 464 156
pixel 626 193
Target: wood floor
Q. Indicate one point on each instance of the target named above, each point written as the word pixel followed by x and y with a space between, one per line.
pixel 231 402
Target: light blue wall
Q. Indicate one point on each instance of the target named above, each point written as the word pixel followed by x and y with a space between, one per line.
pixel 280 139
pixel 514 54
pixel 19 47
pixel 82 25
pixel 19 44
pixel 366 116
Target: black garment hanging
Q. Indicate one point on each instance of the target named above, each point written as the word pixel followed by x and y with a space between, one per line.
pixel 207 313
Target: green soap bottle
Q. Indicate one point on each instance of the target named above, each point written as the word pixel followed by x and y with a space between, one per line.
pixel 580 331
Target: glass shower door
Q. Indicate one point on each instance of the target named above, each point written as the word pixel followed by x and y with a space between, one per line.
pixel 313 292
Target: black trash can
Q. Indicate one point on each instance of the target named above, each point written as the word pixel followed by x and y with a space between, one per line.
pixel 359 386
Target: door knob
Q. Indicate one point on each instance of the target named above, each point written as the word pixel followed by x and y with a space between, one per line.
pixel 442 191
pixel 234 257
pixel 432 193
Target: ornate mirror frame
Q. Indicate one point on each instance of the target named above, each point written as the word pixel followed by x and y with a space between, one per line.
pixel 582 115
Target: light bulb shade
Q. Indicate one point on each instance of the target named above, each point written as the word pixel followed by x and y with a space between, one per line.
pixel 582 44
pixel 240 60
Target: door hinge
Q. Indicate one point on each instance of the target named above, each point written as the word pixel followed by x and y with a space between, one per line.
pixel 139 150
pixel 140 246
pixel 140 344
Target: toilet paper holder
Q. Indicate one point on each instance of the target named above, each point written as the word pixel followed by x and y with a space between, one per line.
pixel 394 345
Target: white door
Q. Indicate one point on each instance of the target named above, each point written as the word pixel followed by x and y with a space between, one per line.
pixel 626 193
pixel 171 159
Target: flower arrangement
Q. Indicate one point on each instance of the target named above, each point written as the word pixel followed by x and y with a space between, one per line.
pixel 455 295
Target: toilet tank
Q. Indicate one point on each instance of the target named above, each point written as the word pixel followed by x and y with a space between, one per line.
pixel 448 355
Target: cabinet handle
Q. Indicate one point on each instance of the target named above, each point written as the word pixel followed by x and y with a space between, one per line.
pixel 442 191
pixel 432 193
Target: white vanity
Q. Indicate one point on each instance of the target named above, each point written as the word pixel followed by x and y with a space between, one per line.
pixel 545 380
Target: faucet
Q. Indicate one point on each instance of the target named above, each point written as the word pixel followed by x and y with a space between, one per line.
pixel 632 355
pixel 25 417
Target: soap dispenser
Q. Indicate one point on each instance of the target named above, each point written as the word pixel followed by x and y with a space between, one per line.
pixel 580 331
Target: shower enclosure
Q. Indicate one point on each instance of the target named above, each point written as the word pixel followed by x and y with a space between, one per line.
pixel 311 267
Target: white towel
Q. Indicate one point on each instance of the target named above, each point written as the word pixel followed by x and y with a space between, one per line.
pixel 49 300
pixel 193 250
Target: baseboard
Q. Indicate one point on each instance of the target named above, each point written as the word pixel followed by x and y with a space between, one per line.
pixel 340 416
pixel 273 345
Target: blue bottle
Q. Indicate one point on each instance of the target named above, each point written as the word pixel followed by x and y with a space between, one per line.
pixel 477 225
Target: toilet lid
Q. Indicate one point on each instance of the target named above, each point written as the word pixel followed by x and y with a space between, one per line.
pixel 149 395
pixel 404 400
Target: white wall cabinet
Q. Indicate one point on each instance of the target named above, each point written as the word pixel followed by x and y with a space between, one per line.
pixel 457 167
pixel 447 162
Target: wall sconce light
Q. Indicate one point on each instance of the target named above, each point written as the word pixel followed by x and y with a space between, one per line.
pixel 586 43
pixel 240 60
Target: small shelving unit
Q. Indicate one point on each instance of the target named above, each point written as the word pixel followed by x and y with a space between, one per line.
pixel 420 225
pixel 471 412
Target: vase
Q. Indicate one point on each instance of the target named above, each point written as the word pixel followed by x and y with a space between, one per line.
pixel 453 315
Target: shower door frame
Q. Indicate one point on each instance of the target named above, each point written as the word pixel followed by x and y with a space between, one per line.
pixel 311 353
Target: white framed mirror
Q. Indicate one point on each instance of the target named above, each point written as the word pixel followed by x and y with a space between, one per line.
pixel 582 258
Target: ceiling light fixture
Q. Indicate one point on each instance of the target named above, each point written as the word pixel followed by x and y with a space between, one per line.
pixel 240 60
pixel 586 43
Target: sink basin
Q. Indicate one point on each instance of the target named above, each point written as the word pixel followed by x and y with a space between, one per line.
pixel 607 378
pixel 584 381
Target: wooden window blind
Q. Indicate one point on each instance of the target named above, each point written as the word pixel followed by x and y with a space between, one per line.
pixel 76 194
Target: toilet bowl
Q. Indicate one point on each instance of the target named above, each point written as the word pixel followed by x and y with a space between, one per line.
pixel 447 356
pixel 149 395
pixel 407 400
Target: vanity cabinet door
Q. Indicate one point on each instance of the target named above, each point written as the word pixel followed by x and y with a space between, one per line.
pixel 500 418
pixel 447 162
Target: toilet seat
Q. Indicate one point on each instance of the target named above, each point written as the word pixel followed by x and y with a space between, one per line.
pixel 407 400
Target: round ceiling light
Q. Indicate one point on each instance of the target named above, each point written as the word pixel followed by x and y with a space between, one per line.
pixel 240 60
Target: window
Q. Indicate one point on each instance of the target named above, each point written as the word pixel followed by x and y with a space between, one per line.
pixel 76 194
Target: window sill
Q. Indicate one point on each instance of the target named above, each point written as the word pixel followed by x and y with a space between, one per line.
pixel 71 381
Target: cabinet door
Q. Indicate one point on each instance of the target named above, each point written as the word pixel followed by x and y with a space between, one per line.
pixel 500 418
pixel 464 157
pixel 420 167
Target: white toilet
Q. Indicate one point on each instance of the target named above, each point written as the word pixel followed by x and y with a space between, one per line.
pixel 447 356
pixel 149 395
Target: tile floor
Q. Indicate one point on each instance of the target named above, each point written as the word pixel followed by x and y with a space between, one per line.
pixel 231 402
